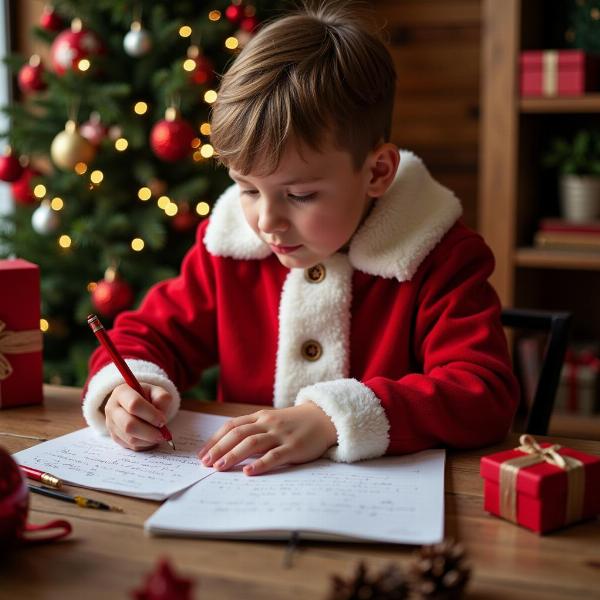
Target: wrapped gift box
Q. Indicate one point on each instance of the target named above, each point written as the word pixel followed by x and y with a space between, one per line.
pixel 579 388
pixel 20 337
pixel 558 72
pixel 541 486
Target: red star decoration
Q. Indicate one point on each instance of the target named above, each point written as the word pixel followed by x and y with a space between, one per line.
pixel 163 584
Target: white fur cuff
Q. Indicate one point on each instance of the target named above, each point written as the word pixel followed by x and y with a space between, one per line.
pixel 108 378
pixel 361 423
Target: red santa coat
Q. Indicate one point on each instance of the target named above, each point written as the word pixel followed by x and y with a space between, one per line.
pixel 399 341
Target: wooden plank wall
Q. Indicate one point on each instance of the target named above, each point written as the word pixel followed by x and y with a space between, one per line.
pixel 436 49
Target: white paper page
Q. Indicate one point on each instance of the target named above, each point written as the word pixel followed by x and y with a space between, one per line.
pixel 87 459
pixel 392 499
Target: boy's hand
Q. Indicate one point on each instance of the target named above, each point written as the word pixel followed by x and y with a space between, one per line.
pixel 283 436
pixel 132 420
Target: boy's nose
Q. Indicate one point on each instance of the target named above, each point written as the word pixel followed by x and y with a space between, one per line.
pixel 270 218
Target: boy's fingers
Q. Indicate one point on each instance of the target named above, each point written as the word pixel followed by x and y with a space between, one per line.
pixel 273 458
pixel 254 444
pixel 135 405
pixel 131 444
pixel 226 428
pixel 161 399
pixel 230 440
pixel 130 427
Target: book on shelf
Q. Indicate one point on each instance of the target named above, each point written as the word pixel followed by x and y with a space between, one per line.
pixel 566 240
pixel 563 226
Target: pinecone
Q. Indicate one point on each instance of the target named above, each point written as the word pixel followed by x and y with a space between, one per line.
pixel 439 572
pixel 389 584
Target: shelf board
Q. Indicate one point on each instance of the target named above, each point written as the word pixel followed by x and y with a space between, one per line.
pixel 557 259
pixel 575 426
pixel 588 103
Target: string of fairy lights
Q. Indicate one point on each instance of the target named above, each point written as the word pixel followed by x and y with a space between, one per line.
pixel 203 150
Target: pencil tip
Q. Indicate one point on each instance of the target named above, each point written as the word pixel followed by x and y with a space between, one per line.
pixel 172 444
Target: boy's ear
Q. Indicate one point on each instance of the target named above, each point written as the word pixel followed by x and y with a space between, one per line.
pixel 383 165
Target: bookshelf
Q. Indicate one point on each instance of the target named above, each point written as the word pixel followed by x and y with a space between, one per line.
pixel 515 192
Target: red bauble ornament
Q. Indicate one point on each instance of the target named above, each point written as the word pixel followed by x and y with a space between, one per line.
pixel 93 130
pixel 164 584
pixel 185 220
pixel 10 167
pixel 249 24
pixel 171 138
pixel 14 504
pixel 30 77
pixel 14 500
pixel 112 295
pixel 21 188
pixel 234 13
pixel 204 73
pixel 73 45
pixel 50 21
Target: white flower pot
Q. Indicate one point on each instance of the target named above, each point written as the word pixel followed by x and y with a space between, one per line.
pixel 580 197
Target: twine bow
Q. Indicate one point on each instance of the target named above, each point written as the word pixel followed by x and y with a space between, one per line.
pixel 16 342
pixel 535 454
pixel 549 454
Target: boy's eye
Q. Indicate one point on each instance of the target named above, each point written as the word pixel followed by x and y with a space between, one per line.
pixel 250 192
pixel 302 198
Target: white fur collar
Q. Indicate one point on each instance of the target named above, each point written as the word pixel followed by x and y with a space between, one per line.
pixel 404 226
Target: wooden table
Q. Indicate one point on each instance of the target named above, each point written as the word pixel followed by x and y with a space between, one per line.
pixel 108 554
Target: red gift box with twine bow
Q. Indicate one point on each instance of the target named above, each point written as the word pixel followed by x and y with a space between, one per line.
pixel 580 380
pixel 541 486
pixel 20 336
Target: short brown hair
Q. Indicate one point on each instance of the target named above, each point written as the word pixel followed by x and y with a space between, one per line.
pixel 317 72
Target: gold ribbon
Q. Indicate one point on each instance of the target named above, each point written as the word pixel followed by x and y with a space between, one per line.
pixel 550 72
pixel 535 454
pixel 16 342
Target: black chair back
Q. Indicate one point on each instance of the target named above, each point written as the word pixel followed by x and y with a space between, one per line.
pixel 556 326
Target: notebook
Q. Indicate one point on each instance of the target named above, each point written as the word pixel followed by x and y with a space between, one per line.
pixel 391 499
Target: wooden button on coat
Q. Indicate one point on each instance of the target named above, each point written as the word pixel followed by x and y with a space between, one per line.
pixel 315 274
pixel 311 350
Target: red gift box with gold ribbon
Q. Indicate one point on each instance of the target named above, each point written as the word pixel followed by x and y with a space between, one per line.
pixel 558 72
pixel 541 486
pixel 20 336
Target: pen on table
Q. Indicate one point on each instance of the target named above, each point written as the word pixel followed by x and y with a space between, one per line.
pixel 291 549
pixel 46 478
pixel 130 380
pixel 79 500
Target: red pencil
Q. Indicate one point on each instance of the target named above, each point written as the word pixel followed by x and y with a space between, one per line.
pixel 130 380
pixel 46 478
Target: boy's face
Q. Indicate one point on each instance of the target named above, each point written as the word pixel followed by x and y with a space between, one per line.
pixel 309 207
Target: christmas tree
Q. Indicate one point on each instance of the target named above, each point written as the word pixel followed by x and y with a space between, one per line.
pixel 584 29
pixel 109 159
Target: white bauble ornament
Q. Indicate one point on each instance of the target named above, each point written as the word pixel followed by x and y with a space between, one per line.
pixel 44 220
pixel 69 147
pixel 138 41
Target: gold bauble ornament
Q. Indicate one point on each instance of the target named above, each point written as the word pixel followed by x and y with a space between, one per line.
pixel 69 147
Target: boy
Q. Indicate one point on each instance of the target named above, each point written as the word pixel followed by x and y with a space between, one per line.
pixel 333 281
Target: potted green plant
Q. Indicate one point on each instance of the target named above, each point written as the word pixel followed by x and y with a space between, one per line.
pixel 578 162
